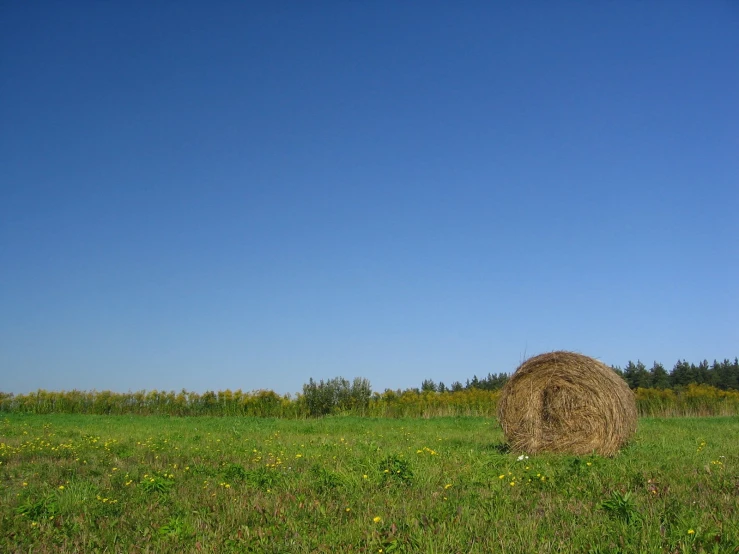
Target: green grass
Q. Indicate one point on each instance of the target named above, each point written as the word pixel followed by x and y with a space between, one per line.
pixel 344 484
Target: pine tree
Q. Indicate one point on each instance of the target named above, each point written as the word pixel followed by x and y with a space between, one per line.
pixel 660 379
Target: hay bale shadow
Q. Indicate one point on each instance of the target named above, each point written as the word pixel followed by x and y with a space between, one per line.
pixel 499 447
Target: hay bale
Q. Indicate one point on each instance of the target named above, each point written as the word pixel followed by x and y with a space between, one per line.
pixel 566 402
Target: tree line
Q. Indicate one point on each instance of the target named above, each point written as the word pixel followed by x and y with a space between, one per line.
pixel 721 375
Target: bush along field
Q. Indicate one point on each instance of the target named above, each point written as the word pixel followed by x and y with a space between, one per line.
pixel 340 397
pixel 74 483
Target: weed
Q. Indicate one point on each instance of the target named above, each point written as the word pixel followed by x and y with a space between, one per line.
pixel 326 479
pixel 156 484
pixel 263 478
pixel 36 510
pixel 395 468
pixel 235 472
pixel 177 527
pixel 621 506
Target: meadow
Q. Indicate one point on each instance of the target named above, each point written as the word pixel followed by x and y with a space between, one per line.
pixel 86 483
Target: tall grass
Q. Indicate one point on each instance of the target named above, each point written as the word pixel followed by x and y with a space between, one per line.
pixel 693 400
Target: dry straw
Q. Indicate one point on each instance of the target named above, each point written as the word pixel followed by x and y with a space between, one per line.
pixel 566 402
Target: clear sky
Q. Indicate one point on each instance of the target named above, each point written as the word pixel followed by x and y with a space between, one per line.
pixel 212 195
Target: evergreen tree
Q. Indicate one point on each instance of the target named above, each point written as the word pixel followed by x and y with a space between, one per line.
pixel 681 375
pixel 493 382
pixel 428 385
pixel 701 373
pixel 637 376
pixel 726 374
pixel 659 377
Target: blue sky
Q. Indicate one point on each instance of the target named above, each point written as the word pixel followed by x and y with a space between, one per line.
pixel 246 195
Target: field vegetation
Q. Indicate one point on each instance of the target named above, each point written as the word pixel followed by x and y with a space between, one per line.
pixel 687 390
pixel 86 483
pixel 339 397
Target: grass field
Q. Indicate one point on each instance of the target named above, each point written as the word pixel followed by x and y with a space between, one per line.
pixel 347 484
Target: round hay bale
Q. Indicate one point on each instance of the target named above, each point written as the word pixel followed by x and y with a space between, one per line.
pixel 566 402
